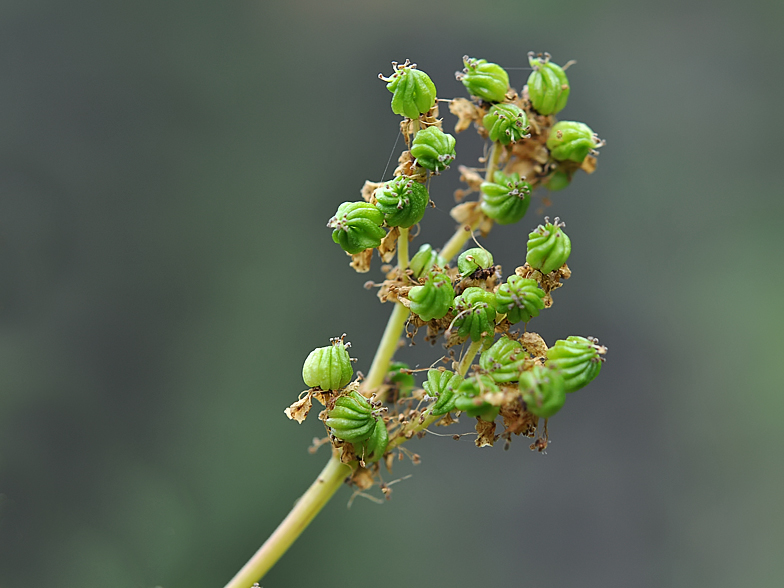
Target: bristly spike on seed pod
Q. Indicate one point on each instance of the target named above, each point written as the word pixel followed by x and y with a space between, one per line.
pixel 328 368
pixel 413 92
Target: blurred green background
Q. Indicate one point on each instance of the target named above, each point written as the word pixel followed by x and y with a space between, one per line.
pixel 167 169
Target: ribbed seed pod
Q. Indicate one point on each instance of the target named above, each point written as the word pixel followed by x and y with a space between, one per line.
pixel 543 391
pixel 351 419
pixel 328 368
pixel 488 81
pixel 475 310
pixel 373 448
pixel 424 260
pixel 466 399
pixel 558 181
pixel 433 149
pixel 433 299
pixel 520 299
pixel 578 359
pixel 548 246
pixel 571 141
pixel 413 92
pixel 473 259
pixel 548 86
pixel 443 385
pixel 506 198
pixel 357 226
pixel 505 123
pixel 404 381
pixel 402 201
pixel 504 361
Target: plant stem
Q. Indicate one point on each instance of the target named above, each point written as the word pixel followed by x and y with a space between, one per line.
pixel 308 506
pixel 465 363
pixel 387 347
pixel 402 249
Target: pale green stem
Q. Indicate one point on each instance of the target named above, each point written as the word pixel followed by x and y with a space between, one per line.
pixel 473 349
pixel 308 506
pixel 387 347
pixel 402 249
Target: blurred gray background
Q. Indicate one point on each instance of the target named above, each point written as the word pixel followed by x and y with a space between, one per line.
pixel 166 173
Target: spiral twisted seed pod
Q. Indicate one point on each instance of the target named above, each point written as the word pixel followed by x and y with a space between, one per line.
pixel 579 359
pixel 571 141
pixel 413 92
pixel 548 86
pixel 433 149
pixel 473 259
pixel 543 391
pixel 505 123
pixel 424 260
pixel 373 448
pixel 433 299
pixel 352 418
pixel 520 299
pixel 475 310
pixel 404 381
pixel 328 368
pixel 357 226
pixel 548 246
pixel 443 386
pixel 467 401
pixel 504 361
pixel 506 198
pixel 402 201
pixel 488 81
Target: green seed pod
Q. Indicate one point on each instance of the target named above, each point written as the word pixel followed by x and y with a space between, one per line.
pixel 548 246
pixel 400 379
pixel 413 92
pixel 504 361
pixel 442 384
pixel 475 310
pixel 543 391
pixel 506 123
pixel 433 299
pixel 402 201
pixel 506 198
pixel 571 141
pixel 520 299
pixel 328 368
pixel 579 360
pixel 373 448
pixel 473 259
pixel 548 87
pixel 351 419
pixel 357 226
pixel 424 260
pixel 488 81
pixel 559 180
pixel 433 149
pixel 466 399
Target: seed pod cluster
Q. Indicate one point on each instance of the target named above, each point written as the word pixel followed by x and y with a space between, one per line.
pixel 357 226
pixel 506 198
pixel 548 246
pixel 402 201
pixel 433 149
pixel 443 385
pixel 520 299
pixel 579 360
pixel 468 400
pixel 351 419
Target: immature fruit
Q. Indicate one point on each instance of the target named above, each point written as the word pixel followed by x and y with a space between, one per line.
pixel 571 141
pixel 558 181
pixel 473 259
pixel 328 368
pixel 506 198
pixel 505 123
pixel 357 226
pixel 433 149
pixel 543 391
pixel 475 310
pixel 548 246
pixel 504 361
pixel 403 381
pixel 402 201
pixel 373 448
pixel 548 87
pixel 520 299
pixel 467 399
pixel 442 384
pixel 351 419
pixel 413 92
pixel 579 360
pixel 424 260
pixel 488 81
pixel 433 299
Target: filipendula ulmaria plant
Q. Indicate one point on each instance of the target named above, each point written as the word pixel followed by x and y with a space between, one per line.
pixel 466 305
